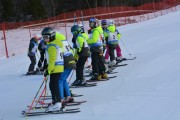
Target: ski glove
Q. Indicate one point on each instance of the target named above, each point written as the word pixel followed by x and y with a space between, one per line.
pixel 76 57
pixel 46 73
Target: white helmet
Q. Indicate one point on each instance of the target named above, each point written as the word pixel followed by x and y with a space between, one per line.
pixel 111 22
pixel 82 27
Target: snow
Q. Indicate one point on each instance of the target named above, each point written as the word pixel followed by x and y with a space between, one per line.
pixel 146 89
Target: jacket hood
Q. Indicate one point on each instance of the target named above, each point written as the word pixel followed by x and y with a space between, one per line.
pixel 111 28
pixel 99 28
pixel 57 42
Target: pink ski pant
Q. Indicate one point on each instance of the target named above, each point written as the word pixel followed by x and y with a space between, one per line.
pixel 118 51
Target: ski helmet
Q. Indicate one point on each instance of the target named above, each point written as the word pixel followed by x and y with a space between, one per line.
pixel 104 22
pixel 82 28
pixel 75 29
pixel 93 22
pixel 111 22
pixel 49 32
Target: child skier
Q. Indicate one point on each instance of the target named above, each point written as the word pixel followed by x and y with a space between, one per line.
pixel 111 37
pixel 69 65
pixel 55 66
pixel 95 43
pixel 32 53
pixel 119 57
pixel 82 51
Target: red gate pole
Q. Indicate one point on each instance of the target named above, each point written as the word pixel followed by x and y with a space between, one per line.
pixel 3 27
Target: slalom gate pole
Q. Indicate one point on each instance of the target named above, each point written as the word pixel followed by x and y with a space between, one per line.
pixel 126 48
pixel 36 96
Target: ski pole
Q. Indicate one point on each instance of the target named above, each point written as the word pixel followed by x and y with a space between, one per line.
pixel 82 18
pixel 126 48
pixel 36 95
pixel 39 58
pixel 44 90
pixel 74 18
pixel 40 61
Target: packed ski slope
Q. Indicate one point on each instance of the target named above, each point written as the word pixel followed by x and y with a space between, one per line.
pixel 147 89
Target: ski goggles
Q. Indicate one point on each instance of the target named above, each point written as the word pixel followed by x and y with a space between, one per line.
pixel 92 24
pixel 46 37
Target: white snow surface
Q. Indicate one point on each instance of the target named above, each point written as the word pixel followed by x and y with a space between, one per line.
pixel 147 89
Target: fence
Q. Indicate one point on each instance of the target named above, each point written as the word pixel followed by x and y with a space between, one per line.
pixel 14 37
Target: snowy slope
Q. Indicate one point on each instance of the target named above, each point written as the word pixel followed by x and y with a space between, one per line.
pixel 146 89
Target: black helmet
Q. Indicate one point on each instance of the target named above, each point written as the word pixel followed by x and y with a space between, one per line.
pixel 75 29
pixel 50 32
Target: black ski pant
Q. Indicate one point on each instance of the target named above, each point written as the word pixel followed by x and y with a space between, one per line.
pixel 80 66
pixel 32 64
pixel 97 63
pixel 54 87
pixel 42 59
pixel 111 53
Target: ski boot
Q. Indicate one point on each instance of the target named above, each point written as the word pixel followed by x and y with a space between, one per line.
pixel 96 76
pixel 54 107
pixel 104 75
pixel 63 104
pixel 79 82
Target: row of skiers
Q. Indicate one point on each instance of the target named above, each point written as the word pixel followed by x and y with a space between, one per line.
pixel 62 59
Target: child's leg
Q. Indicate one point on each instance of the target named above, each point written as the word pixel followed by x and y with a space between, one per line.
pixel 107 54
pixel 118 51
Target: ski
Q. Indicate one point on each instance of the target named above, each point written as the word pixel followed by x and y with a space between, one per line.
pixel 67 104
pixel 130 58
pixel 120 65
pixel 90 75
pixel 101 79
pixel 125 59
pixel 97 80
pixel 113 67
pixel 111 72
pixel 49 97
pixel 46 104
pixel 32 74
pixel 108 72
pixel 86 85
pixel 111 77
pixel 75 110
